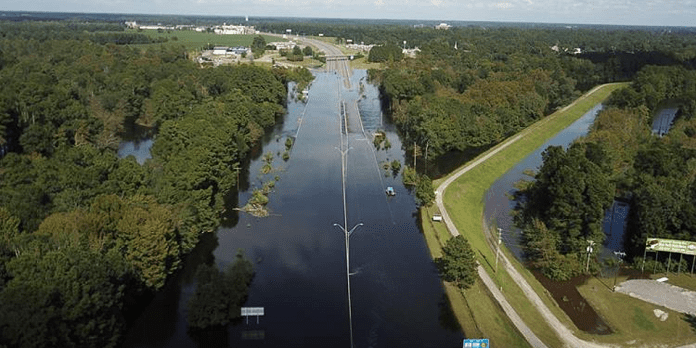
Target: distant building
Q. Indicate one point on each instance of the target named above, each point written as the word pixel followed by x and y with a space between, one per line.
pixel 155 27
pixel 411 52
pixel 443 26
pixel 239 50
pixel 364 48
pixel 576 50
pixel 220 50
pixel 234 30
pixel 283 45
pixel 132 25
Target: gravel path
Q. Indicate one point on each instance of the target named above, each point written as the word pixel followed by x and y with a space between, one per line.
pixel 662 294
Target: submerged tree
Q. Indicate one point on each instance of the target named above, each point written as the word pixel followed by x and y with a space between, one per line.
pixel 220 295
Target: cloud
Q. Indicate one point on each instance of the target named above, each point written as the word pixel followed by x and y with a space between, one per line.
pixel 503 5
pixel 436 2
pixel 379 3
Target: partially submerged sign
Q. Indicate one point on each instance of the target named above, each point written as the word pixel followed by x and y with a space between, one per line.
pixel 671 245
pixel 251 312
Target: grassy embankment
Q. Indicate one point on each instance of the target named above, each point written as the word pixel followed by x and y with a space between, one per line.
pixel 464 202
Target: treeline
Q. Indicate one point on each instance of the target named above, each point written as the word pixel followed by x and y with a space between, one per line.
pixel 451 99
pixel 619 159
pixel 84 236
pixel 471 87
pixel 100 33
pixel 385 53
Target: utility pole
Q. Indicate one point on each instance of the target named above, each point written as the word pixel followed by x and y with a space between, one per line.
pixel 589 251
pixel 414 154
pixel 620 254
pixel 500 239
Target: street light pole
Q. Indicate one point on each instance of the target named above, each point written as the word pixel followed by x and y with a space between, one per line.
pixel 620 254
pixel 589 251
pixel 350 306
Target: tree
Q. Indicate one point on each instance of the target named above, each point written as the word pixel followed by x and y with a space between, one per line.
pixel 458 263
pixel 258 46
pixel 220 295
pixel 425 195
pixel 307 51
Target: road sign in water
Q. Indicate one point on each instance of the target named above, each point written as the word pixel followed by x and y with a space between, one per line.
pixel 476 343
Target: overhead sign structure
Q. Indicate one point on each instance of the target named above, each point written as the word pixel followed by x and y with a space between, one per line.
pixel 671 245
pixel 252 311
pixel 476 343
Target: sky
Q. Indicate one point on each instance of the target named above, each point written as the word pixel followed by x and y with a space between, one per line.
pixel 620 12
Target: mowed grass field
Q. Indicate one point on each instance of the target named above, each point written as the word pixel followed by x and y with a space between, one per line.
pixel 194 40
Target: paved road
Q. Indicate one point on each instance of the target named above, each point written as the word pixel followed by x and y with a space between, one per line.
pixel 561 330
pixel 662 294
pixel 340 66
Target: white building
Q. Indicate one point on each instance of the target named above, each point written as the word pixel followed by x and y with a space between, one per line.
pixel 220 50
pixel 283 45
pixel 410 52
pixel 443 26
pixel 234 30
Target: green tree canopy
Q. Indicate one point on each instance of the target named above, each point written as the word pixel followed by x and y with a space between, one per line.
pixel 458 263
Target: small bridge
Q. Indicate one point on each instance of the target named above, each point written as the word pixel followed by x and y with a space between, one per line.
pixel 335 58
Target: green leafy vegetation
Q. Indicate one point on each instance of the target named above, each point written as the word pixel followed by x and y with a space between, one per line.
pixel 458 263
pixel 258 46
pixel 564 209
pixel 219 295
pixel 84 235
pixel 385 53
pixel 619 159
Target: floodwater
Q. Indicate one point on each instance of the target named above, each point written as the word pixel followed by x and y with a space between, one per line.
pixel 663 120
pixel 139 149
pixel 137 142
pixel 298 253
pixel 498 203
pixel 499 207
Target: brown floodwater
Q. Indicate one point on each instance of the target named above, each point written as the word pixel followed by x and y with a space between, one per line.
pixel 573 304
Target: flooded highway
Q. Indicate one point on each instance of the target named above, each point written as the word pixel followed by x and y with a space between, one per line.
pixel 299 255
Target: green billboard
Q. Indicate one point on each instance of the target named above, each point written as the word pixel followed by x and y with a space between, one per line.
pixel 671 245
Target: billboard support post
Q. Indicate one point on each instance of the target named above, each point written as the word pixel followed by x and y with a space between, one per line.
pixel 681 256
pixel 645 252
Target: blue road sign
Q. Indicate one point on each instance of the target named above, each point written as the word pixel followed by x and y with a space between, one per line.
pixel 476 343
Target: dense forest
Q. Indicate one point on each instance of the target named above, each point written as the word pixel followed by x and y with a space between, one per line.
pixel 489 83
pixel 620 159
pixel 84 235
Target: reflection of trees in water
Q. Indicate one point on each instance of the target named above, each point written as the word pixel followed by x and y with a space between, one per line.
pixel 157 323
